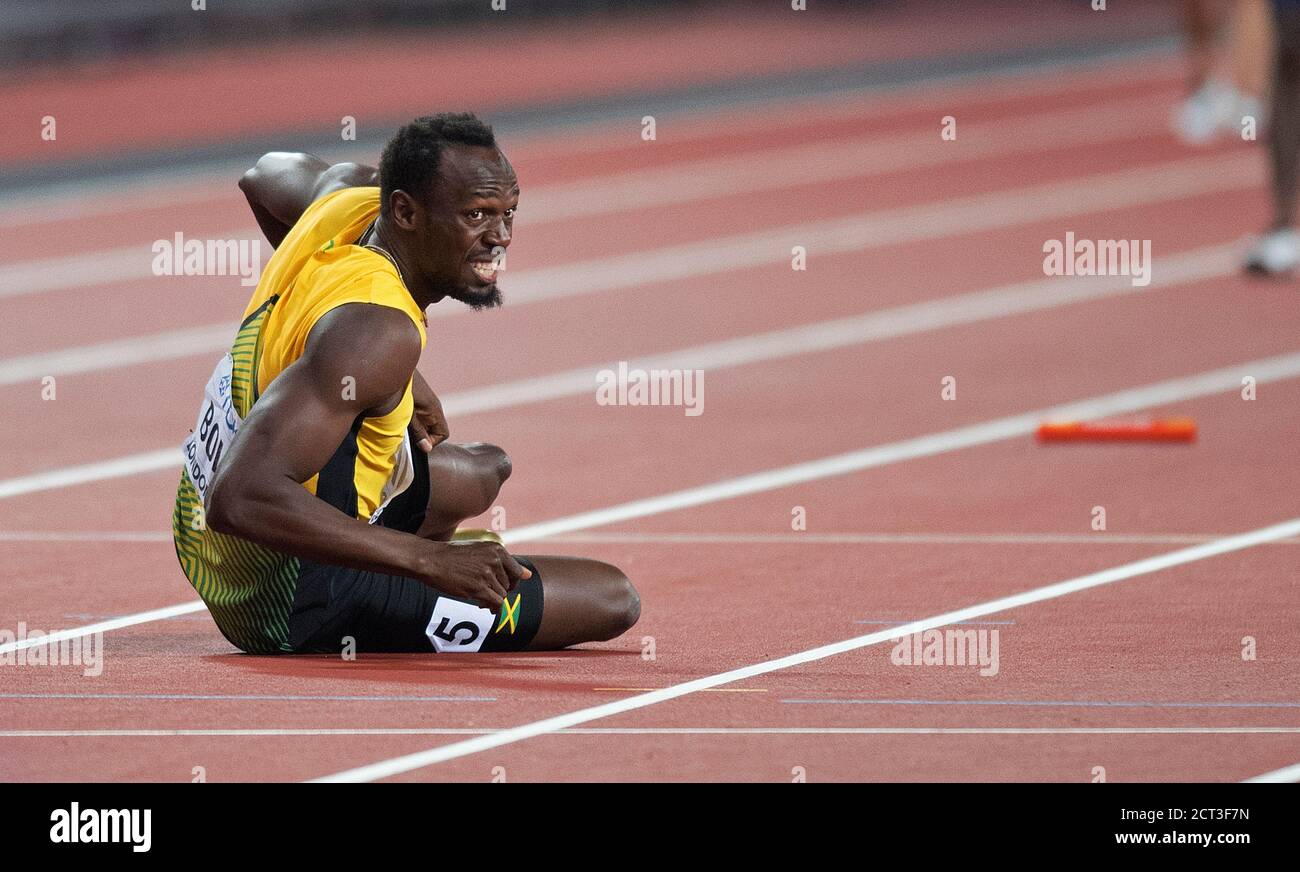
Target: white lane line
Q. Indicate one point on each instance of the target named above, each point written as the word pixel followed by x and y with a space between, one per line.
pixel 84 536
pixel 419 760
pixel 867 157
pixel 118 353
pixel 1021 298
pixel 1048 703
pixel 243 697
pixel 1018 298
pixel 106 626
pixel 119 199
pixel 955 216
pixel 71 476
pixel 662 731
pixel 1131 400
pixel 214 180
pixel 1285 775
pixel 86 269
pixel 597 538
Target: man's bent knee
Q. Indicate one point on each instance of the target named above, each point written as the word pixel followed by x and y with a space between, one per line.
pixel 620 605
pixel 496 461
pixel 464 481
pixel 475 470
pixel 491 461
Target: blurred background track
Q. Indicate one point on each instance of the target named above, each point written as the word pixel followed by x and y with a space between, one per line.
pixel 774 129
pixel 187 100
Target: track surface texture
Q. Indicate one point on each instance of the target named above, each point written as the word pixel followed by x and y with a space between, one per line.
pixel 924 271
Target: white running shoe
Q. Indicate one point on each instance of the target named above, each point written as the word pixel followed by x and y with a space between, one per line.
pixel 1205 113
pixel 1274 253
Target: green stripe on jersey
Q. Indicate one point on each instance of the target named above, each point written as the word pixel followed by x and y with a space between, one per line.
pixel 248 588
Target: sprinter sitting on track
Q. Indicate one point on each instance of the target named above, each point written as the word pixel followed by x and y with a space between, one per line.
pixel 318 502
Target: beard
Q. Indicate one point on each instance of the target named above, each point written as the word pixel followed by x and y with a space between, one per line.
pixel 483 297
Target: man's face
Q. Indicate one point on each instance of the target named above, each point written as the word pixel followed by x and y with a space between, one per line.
pixel 470 214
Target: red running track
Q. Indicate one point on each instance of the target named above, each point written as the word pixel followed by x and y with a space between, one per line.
pixel 1144 677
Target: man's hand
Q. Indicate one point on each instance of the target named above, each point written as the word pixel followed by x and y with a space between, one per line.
pixel 481 572
pixel 294 429
pixel 428 424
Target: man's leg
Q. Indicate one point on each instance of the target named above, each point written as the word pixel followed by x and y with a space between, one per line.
pixel 583 600
pixel 1252 46
pixel 463 482
pixel 1201 22
pixel 1278 250
pixel 1284 140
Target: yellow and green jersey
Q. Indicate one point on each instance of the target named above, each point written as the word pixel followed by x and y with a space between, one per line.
pixel 249 588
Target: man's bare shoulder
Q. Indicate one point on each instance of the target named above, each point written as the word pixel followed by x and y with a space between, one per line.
pixel 375 347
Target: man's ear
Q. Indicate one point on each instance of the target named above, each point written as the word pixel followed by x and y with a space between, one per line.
pixel 404 210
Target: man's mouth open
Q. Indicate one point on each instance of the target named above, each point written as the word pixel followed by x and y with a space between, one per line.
pixel 484 269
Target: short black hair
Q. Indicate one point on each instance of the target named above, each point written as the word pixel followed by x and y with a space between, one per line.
pixel 411 158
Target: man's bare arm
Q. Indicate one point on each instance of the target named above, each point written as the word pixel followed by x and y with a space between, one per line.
pixel 294 429
pixel 283 184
